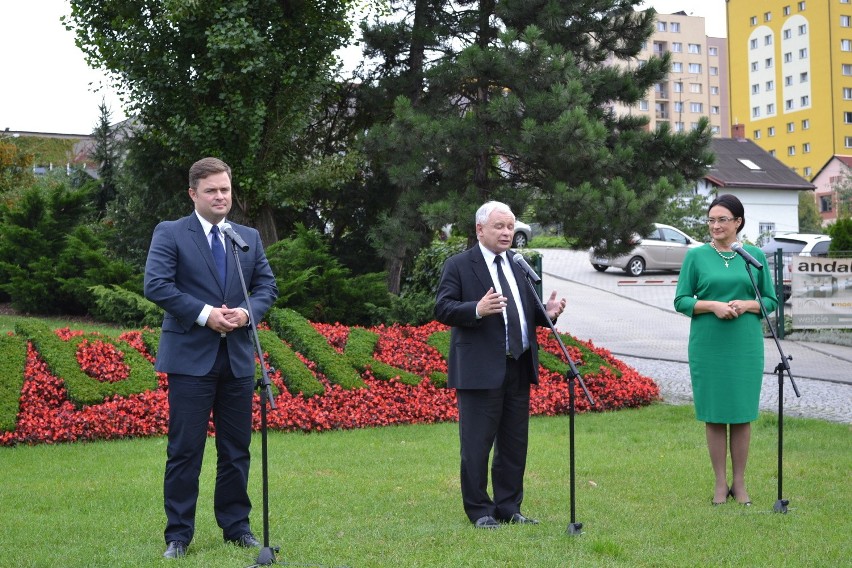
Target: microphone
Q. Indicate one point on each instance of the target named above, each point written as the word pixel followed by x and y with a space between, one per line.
pixel 226 228
pixel 738 248
pixel 531 274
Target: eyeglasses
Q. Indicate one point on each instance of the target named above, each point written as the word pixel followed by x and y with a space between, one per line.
pixel 720 220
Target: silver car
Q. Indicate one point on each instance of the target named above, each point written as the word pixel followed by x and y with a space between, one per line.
pixel 663 249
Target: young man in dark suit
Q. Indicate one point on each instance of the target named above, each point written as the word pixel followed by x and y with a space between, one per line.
pixel 493 360
pixel 207 350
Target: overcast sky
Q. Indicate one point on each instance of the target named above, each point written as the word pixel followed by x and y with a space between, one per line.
pixel 47 86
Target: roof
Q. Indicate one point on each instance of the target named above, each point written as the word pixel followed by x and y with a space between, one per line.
pixel 845 160
pixel 740 163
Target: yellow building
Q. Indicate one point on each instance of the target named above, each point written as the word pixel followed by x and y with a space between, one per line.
pixel 790 69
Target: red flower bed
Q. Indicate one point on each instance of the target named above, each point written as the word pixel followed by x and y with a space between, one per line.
pixel 47 416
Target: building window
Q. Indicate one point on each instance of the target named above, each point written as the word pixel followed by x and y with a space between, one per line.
pixel 767 39
pixel 695 68
pixel 767 63
pixel 825 204
pixel 803 77
pixel 714 90
pixel 786 10
pixel 675 27
pixel 788 33
pixel 788 80
pixel 678 87
pixel 772 153
pixel 713 50
pixel 695 88
pixel 754 66
pixel 847 117
pixel 791 150
pixel 805 101
pixel 756 135
pixel 677 67
pixel 788 104
pixel 767 16
pixel 806 148
pixel 801 6
pixel 845 21
pixel 643 105
pixel 753 20
pixel 791 127
pixel 847 141
pixel 846 69
pixel 771 131
pixel 661 26
pixel 846 45
pixel 803 53
pixel 694 48
pixel 847 93
pixel 696 107
pixel 714 71
pixel 755 89
pixel 770 109
pixel 679 127
pixel 714 130
pixel 806 124
pixel 693 126
pixel 788 57
pixel 766 228
pixel 678 106
pixel 755 112
pixel 809 172
pixel 803 29
pixel 677 47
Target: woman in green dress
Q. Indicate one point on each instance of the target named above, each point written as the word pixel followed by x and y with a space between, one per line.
pixel 725 341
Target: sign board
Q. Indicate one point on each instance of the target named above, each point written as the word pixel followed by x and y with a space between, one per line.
pixel 821 292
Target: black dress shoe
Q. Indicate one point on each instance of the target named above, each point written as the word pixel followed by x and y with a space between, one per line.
pixel 247 540
pixel 486 522
pixel 519 519
pixel 175 549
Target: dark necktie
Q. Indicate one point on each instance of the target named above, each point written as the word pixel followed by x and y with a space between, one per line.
pixel 513 319
pixel 218 253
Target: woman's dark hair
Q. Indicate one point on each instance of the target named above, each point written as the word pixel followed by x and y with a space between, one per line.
pixel 732 204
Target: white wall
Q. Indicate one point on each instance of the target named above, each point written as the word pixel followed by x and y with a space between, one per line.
pixel 762 206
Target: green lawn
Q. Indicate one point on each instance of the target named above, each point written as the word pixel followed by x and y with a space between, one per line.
pixel 390 497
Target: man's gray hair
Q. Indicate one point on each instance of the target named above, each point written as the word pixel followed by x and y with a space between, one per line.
pixel 484 212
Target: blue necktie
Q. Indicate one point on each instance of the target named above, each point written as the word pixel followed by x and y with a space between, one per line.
pixel 218 253
pixel 513 318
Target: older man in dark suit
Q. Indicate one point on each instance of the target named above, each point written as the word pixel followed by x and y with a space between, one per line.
pixel 493 360
pixel 207 350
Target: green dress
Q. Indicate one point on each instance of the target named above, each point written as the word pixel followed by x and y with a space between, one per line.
pixel 725 355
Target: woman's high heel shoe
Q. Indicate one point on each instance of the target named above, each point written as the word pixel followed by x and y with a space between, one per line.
pixel 730 494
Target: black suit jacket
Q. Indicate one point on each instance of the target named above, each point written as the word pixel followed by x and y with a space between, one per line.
pixel 478 346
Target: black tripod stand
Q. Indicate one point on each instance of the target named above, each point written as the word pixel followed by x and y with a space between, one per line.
pixel 784 365
pixel 267 553
pixel 574 528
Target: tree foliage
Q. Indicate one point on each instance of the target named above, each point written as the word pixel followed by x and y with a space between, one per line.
pixel 228 78
pixel 810 221
pixel 512 100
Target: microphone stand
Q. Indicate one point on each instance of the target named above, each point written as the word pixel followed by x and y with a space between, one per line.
pixel 574 528
pixel 781 504
pixel 267 553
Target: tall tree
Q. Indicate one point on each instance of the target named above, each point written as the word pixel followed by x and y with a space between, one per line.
pixel 515 103
pixel 230 78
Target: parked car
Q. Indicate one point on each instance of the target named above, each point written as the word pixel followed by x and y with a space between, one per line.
pixel 791 244
pixel 523 235
pixel 663 249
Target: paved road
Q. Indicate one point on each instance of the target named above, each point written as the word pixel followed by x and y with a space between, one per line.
pixel 634 318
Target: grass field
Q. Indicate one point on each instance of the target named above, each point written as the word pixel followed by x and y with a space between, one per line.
pixel 390 497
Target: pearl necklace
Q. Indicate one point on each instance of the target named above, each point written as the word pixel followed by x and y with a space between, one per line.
pixel 725 258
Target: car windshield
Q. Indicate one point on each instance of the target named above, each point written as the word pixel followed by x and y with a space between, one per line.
pixel 784 244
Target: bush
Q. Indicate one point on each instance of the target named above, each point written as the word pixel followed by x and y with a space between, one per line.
pixel 314 283
pixel 116 305
pixel 841 237
pixel 428 265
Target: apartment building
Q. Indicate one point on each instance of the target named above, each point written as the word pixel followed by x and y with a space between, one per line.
pixel 697 83
pixel 791 78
